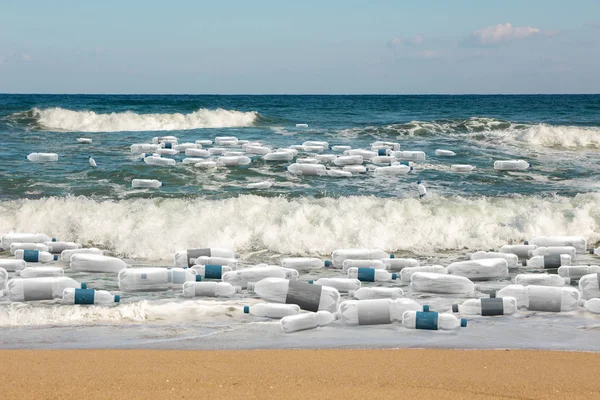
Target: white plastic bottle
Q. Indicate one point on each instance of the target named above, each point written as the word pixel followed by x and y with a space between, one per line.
pixel 96 263
pixel 382 144
pixel 409 155
pixel 209 271
pixel 197 153
pixel 348 160
pixel 372 264
pixel 511 259
pixel 92 162
pixel 67 254
pixel 304 263
pixel 432 321
pixel 406 273
pixel 209 289
pixel 89 296
pixel 43 157
pixel 28 246
pixel 541 280
pixel 368 293
pixel 39 272
pixel 371 275
pixel 304 321
pixel 12 265
pixel 279 156
pixel 154 278
pixel 35 256
pixel 342 285
pixel 242 277
pixel 307 169
pixel 338 173
pixel 393 170
pixel 204 260
pixel 144 148
pixel 510 165
pixel 40 288
pixel 339 256
pixel 480 270
pixel 375 312
pixel 146 183
pixel 59 247
pixel 259 185
pixel 441 283
pixel 589 285
pixel 591 305
pixel 487 307
pixel 161 161
pixel 187 258
pixel 520 250
pixel 10 238
pixel 341 148
pixel 421 188
pixel 444 153
pixel 365 154
pixel 554 251
pixel 398 264
pixel 233 161
pixel 575 272
pixel 3 280
pixel 549 262
pixel 542 298
pixel 462 168
pixel 272 310
pixel 308 297
pixel 579 243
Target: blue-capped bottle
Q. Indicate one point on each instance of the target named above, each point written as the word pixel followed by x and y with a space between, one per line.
pixel 430 320
pixel 487 307
pixel 308 297
pixel 35 256
pixel 40 288
pixel 210 271
pixel 371 275
pixel 272 310
pixel 154 278
pixel 89 296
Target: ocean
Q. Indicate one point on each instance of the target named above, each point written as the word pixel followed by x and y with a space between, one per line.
pixel 559 135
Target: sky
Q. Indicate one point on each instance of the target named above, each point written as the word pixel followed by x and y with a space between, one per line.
pixel 300 47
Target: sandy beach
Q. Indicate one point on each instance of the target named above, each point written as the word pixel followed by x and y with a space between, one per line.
pixel 290 374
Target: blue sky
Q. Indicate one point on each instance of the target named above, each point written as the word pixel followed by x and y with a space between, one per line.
pixel 300 47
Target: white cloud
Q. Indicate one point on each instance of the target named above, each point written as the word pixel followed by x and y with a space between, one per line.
pixel 26 57
pixel 502 34
pixel 414 40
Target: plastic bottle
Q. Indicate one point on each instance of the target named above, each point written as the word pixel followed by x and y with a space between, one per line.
pixel 40 288
pixel 321 143
pixel 308 160
pixel 146 183
pixel 432 321
pixel 204 142
pixel 89 296
pixel 339 256
pixel 410 155
pixel 579 243
pixel 39 272
pixel 161 161
pixel 487 307
pixel 307 169
pixel 542 298
pixel 204 260
pixel 209 289
pixel 383 160
pixel 198 153
pixel 35 256
pixel 549 262
pixel 165 139
pixel 390 145
pixel 338 173
pixel 341 148
pixel 260 185
pixel 304 321
pixel 208 271
pixel 279 156
pixel 92 162
pixel 511 259
pixel 3 280
pixel 96 263
pixel 462 168
pixel 592 305
pixel 376 311
pixel 444 153
pixel 272 310
pixel 554 251
pixel 43 157
pixel 373 264
pixel 342 285
pixel 184 146
pixel 258 150
pixel 304 263
pixel 589 285
pixel 10 238
pixel 12 265
pixel 225 139
pixel 575 272
pixel 187 258
pixel 154 278
pixel 308 297
pixel 398 264
pixel 541 280
pixel 206 164
pixel 371 275
pixel 520 250
pixel 367 293
pixel 167 152
pixel 355 169
pixel 242 277
pixel 144 148
pixel 59 247
pixel 28 246
pixel 480 270
pixel 421 188
pixel 441 283
pixel 406 273
pixel 393 170
pixel 365 154
pixel 233 161
pixel 67 254
pixel 348 160
pixel 511 165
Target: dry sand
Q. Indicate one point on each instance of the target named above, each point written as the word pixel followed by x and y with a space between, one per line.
pixel 299 374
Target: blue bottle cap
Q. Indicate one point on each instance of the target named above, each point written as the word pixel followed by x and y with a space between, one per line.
pixel 411 168
pixel 394 276
pixel 55 258
pixel 526 242
pixel 327 263
pixel 425 308
pixel 54 239
pixel 419 182
pixel 310 282
pixel 392 256
pixel 117 298
pixel 463 323
pixel 162 183
pixel 246 309
pixel 198 278
pixel 83 285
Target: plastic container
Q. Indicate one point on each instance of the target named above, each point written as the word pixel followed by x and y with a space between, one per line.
pixel 144 148
pixel 308 297
pixel 579 243
pixel 279 156
pixel 339 256
pixel 373 264
pixel 40 288
pixel 410 155
pixel 487 307
pixel 10 238
pixel 84 140
pixel 480 270
pixel 441 283
pixel 576 272
pixel 67 254
pixel 233 161
pixel 206 164
pixel 383 160
pixel 28 246
pixel 204 260
pixel 398 264
pixel 390 145
pixel 367 293
pixel 365 154
pixel 341 148
pixel 154 278
pixel 12 265
pixel 219 140
pixel 406 273
pixel 393 170
pixel 371 275
pixel 272 310
pixel 209 271
pixel 92 162
pixel 146 183
pixel 554 251
pixel 462 168
pixel 348 160
pixel 89 296
pixel 376 311
pixel 59 247
pixel 160 161
pixel 184 146
pixel 511 165
pixel 167 152
pixel 321 143
pixel 511 259
pixel 35 256
pixel 187 258
pixel 3 280
pixel 541 280
pixel 209 289
pixel 96 263
pixel 520 250
pixel 197 153
pixel 589 286
pixel 260 185
pixel 338 173
pixel 549 262
pixel 244 276
pixel 592 305
pixel 304 263
pixel 343 285
pixel 542 298
pixel 39 272
pixel 444 153
pixel 204 142
pixel 432 321
pixel 421 189
pixel 301 322
pixel 43 157
pixel 355 169
pixel 161 139
pixel 307 169
pixel 258 150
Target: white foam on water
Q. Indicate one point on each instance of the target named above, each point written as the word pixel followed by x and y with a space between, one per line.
pixel 89 121
pixel 153 229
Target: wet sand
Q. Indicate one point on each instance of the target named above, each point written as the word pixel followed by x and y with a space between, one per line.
pixel 299 374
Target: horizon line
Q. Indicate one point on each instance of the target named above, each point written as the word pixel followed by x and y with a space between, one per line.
pixel 299 94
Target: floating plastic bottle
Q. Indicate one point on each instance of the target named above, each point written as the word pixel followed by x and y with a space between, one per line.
pixel 339 256
pixel 520 250
pixel 59 247
pixel 84 140
pixel 260 185
pixel 244 276
pixel 154 278
pixel 161 139
pixel 365 154
pixel 40 288
pixel 325 157
pixel 258 150
pixel 217 150
pixel 393 170
pixel 383 160
pixel 272 310
pixel 462 168
pixel 92 162
pixel 204 260
pixel 35 256
pixel 554 251
pixel 307 169
pixel 591 305
pixel 96 263
pixel 12 265
pixel 146 183
pixel 39 272
pixel 541 280
pixel 43 157
pixel 441 283
pixel 373 264
pixel 233 161
pixel 542 298
pixel 161 161
pixel 219 140
pixel 371 275
pixel 406 273
pixel 366 293
pixel 549 262
pixel 390 145
pixel 589 285
pixel 480 270
pixel 209 289
pixel 206 164
pixel 208 271
pixel 376 311
pixel 305 321
pixel 204 142
pixel 198 153
pixel 487 307
pixel 579 243
pixel 444 153
pixel 67 254
pixel 511 259
pixel 279 156
pixel 184 146
pixel 89 296
pixel 301 125
pixel 342 285
pixel 167 152
pixel 511 165
pixel 144 148
pixel 398 264
pixel 28 246
pixel 355 169
pixel 307 296
pixel 10 238
pixel 576 272
pixel 422 190
pixel 338 173
pixel 187 258
pixel 432 321
pixel 304 263
pixel 192 160
pixel 348 160
pixel 410 155
pixel 321 143
pixel 341 148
